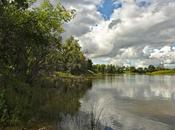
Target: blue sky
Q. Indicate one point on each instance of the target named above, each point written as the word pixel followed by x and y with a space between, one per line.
pixel 107 7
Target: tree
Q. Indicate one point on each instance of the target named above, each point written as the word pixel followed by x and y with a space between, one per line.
pixel 89 64
pixel 140 70
pixel 151 68
pixel 29 38
pixel 132 69
pixel 72 58
pixel 18 3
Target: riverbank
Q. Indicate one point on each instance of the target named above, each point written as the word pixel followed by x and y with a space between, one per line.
pixel 158 72
pixel 93 75
pixel 163 72
pixel 86 76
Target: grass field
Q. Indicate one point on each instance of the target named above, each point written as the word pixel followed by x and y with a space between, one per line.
pixel 164 72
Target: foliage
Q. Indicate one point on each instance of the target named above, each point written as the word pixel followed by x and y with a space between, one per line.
pixel 4 115
pixel 111 69
pixel 166 72
pixel 72 57
pixel 31 48
pixel 24 106
pixel 63 74
pixel 89 64
pixel 28 38
pixel 114 69
pixel 151 68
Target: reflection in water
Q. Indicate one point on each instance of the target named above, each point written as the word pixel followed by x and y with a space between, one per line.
pixel 44 104
pixel 139 86
pixel 125 102
pixel 134 102
pixel 81 121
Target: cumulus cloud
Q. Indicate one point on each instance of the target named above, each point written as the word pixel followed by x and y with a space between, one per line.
pixel 166 54
pixel 140 32
pixel 86 17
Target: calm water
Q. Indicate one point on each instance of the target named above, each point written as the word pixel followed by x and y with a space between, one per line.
pixel 133 102
pixel 124 102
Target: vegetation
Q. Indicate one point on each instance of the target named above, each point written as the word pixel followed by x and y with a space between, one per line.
pixel 40 105
pixel 113 69
pixel 31 52
pixel 164 72
pixel 107 69
pixel 31 44
pixel 71 59
pixel 84 120
pixel 33 56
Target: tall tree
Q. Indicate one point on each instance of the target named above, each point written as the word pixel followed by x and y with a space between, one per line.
pixel 89 64
pixel 72 58
pixel 28 38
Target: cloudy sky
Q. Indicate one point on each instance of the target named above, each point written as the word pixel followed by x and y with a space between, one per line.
pixel 124 32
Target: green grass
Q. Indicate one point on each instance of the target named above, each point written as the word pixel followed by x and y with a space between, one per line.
pixel 65 75
pixel 129 72
pixel 89 74
pixel 163 72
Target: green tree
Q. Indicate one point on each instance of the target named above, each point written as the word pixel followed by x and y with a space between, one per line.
pixel 151 68
pixel 18 3
pixel 140 70
pixel 4 114
pixel 89 64
pixel 132 69
pixel 29 38
pixel 72 58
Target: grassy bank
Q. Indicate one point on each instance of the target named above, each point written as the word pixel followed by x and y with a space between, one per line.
pixel 88 75
pixel 92 75
pixel 163 72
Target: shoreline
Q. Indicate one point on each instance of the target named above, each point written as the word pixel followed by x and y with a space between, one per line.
pixel 99 75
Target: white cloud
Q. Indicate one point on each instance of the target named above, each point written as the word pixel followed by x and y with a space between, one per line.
pixel 134 34
pixel 86 16
pixel 165 54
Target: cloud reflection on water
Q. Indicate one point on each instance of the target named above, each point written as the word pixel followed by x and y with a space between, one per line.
pixel 120 94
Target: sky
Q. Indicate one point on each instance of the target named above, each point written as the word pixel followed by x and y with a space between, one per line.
pixel 124 32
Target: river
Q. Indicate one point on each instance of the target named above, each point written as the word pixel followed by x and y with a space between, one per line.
pixel 133 102
pixel 121 102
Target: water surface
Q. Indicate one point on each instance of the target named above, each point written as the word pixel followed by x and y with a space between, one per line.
pixel 133 102
pixel 122 102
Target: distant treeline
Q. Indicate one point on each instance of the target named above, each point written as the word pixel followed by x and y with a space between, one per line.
pixel 114 69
